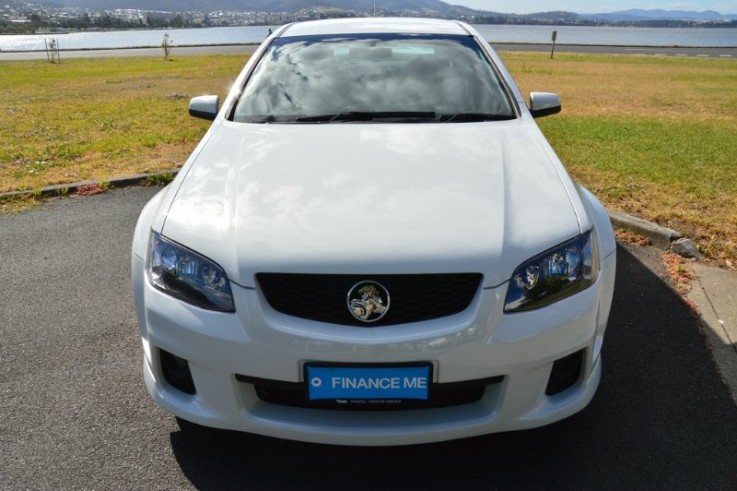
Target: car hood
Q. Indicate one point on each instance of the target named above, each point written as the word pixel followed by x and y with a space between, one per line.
pixel 373 199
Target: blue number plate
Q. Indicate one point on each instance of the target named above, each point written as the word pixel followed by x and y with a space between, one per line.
pixel 368 383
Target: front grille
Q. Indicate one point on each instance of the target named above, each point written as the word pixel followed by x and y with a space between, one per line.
pixel 414 298
pixel 441 395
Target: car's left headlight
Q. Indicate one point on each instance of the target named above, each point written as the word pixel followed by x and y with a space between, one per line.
pixel 554 275
pixel 188 276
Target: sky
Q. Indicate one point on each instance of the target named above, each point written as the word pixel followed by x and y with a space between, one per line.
pixel 588 7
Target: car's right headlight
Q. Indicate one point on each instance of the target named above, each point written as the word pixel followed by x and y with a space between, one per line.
pixel 188 276
pixel 554 275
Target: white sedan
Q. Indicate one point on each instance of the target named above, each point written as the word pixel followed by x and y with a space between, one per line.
pixel 373 244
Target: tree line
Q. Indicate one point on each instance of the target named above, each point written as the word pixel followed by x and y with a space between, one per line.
pixel 103 22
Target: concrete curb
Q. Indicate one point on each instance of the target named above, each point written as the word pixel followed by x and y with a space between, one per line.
pixel 661 237
pixel 64 189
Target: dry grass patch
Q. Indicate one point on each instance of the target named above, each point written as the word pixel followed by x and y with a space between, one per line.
pixel 632 86
pixel 679 272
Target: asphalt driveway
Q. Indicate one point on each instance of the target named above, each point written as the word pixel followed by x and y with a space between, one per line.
pixel 74 412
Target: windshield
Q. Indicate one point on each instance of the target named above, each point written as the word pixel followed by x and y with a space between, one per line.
pixel 407 78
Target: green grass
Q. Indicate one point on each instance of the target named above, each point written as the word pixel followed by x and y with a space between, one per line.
pixel 693 158
pixel 652 136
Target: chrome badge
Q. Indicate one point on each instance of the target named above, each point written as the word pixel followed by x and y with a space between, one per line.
pixel 368 301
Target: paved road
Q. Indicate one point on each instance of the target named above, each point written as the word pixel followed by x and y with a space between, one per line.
pixel 724 52
pixel 127 52
pixel 74 412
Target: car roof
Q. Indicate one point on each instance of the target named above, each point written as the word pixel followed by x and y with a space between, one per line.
pixel 375 25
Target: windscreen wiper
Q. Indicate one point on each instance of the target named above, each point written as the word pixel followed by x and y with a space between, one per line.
pixel 473 117
pixel 350 116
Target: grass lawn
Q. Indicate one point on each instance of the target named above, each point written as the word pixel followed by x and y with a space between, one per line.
pixel 655 137
pixel 94 119
pixel 652 136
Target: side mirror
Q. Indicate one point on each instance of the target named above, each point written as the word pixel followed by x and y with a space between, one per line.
pixel 544 104
pixel 204 106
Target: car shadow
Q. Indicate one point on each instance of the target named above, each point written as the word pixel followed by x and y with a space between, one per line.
pixel 662 419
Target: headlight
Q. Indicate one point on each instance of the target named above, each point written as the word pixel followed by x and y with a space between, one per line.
pixel 554 275
pixel 188 276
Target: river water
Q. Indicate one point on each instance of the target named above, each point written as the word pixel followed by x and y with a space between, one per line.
pixel 607 36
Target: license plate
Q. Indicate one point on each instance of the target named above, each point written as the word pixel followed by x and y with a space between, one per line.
pixel 368 383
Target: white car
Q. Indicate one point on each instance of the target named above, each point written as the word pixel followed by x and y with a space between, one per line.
pixel 373 244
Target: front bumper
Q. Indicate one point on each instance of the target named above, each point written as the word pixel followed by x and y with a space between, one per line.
pixel 482 342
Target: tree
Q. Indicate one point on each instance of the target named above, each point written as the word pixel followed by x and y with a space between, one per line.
pixel 166 45
pixel 36 21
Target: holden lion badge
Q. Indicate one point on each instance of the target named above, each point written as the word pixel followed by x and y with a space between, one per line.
pixel 368 301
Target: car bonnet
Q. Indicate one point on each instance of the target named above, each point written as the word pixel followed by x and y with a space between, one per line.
pixel 374 199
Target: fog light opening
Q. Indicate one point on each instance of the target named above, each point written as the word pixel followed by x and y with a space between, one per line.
pixel 565 373
pixel 176 372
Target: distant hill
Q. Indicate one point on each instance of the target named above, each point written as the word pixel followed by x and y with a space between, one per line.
pixel 632 15
pixel 638 15
pixel 554 16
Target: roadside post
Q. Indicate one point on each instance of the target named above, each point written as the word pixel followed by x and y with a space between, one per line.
pixel 554 38
pixel 53 53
